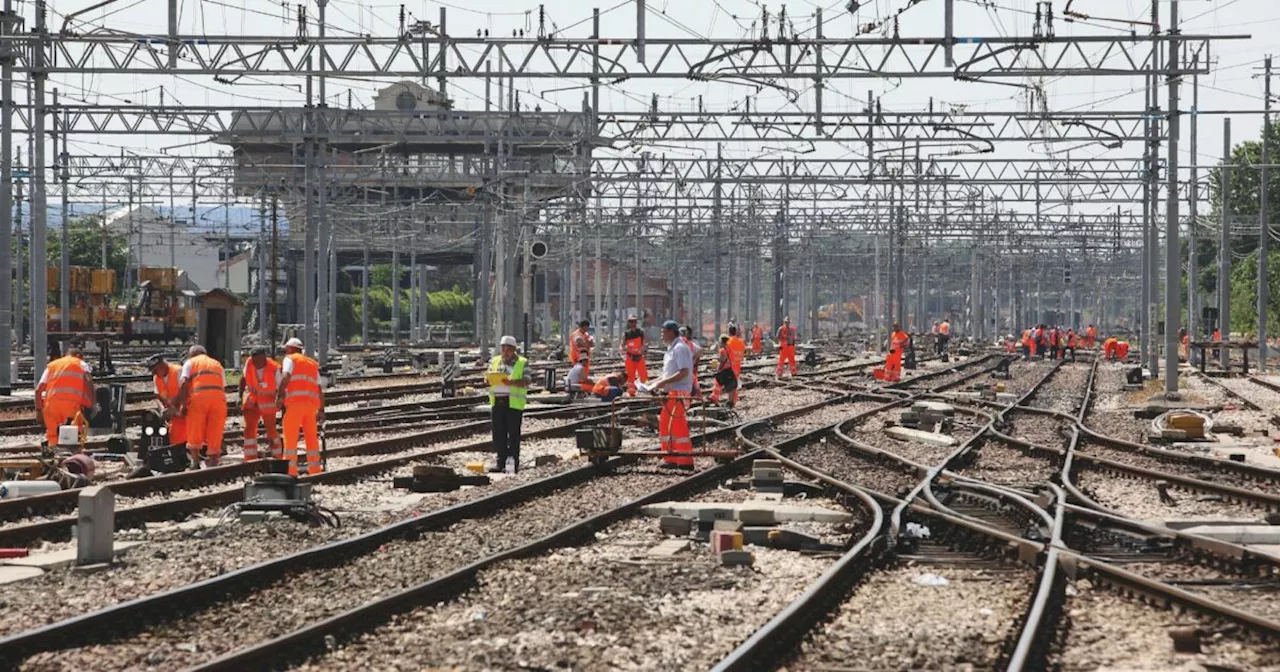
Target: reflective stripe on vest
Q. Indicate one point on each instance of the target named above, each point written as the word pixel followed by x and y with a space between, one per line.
pixel 264 388
pixel 516 395
pixel 304 382
pixel 67 382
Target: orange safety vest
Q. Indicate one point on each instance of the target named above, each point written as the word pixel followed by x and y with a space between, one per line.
pixel 724 359
pixel 786 336
pixel 303 389
pixel 757 335
pixel 167 387
pixel 898 341
pixel 737 352
pixel 208 382
pixel 261 389
pixel 578 346
pixel 1217 335
pixel 1091 333
pixel 603 385
pixel 945 329
pixel 635 342
pixel 68 382
pixel 1071 339
pixel 1026 337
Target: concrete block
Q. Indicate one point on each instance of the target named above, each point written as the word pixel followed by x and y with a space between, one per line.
pixel 670 548
pixel 675 526
pixel 253 516
pixel 737 558
pixel 712 511
pixel 722 541
pixel 95 525
pixel 62 559
pixel 1006 398
pixel 918 436
pixel 1239 534
pixel 728 525
pixel 15 574
pixel 756 516
pixel 934 406
pixel 759 475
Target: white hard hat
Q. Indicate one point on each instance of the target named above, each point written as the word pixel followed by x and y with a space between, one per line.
pixel 508 340
pixel 293 343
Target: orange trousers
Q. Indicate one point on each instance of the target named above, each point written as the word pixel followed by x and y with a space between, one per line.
pixel 56 414
pixel 673 429
pixel 178 431
pixel 787 355
pixel 302 418
pixel 893 365
pixel 252 414
pixel 206 420
pixel 635 369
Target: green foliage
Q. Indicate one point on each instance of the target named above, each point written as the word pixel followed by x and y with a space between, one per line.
pixel 1244 295
pixel 86 236
pixel 451 305
pixel 1246 181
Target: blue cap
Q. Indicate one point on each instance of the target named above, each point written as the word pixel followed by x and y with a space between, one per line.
pixel 671 324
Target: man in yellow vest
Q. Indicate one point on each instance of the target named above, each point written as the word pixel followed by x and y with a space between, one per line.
pixel 65 389
pixel 202 394
pixel 303 399
pixel 508 390
pixel 165 376
pixel 258 391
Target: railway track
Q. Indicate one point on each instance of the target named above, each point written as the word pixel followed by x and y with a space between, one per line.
pixel 562 499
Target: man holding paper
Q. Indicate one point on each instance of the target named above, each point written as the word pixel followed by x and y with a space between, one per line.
pixel 508 380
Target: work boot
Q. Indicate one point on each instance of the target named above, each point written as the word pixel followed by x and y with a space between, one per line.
pixel 213 461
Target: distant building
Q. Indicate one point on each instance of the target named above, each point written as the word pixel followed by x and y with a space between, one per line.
pixel 155 240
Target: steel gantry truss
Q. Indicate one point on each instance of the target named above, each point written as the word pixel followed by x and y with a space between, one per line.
pixel 782 200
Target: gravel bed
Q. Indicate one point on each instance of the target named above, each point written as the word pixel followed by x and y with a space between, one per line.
pixel 1002 464
pixel 1252 594
pixel 962 371
pixel 892 623
pixel 174 556
pixel 1138 498
pixel 1265 397
pixel 1038 429
pixel 844 464
pixel 604 606
pixel 310 596
pixel 1107 631
pixel 1173 466
pixel 1119 425
pixel 1024 374
pixel 1064 391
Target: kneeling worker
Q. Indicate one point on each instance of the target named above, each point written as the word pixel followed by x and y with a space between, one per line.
pixel 508 391
pixel 577 384
pixel 303 399
pixel 165 376
pixel 202 395
pixel 65 389
pixel 610 387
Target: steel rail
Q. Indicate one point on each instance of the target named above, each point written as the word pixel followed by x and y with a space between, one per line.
pixel 61 527
pixel 438 588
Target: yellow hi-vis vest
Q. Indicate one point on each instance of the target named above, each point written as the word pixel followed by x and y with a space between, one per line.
pixel 518 394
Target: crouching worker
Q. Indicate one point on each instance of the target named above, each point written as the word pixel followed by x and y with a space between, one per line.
pixel 610 387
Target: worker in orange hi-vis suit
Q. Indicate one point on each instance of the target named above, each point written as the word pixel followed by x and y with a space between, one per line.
pixel 633 347
pixel 165 375
pixel 737 350
pixel 1090 337
pixel 897 344
pixel 1109 348
pixel 580 343
pixel 786 347
pixel 677 381
pixel 303 399
pixel 258 389
pixel 202 393
pixel 757 339
pixel 65 389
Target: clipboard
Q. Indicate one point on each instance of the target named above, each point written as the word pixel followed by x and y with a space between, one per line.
pixel 493 378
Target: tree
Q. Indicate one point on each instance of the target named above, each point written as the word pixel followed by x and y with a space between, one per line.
pixel 87 237
pixel 1246 180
